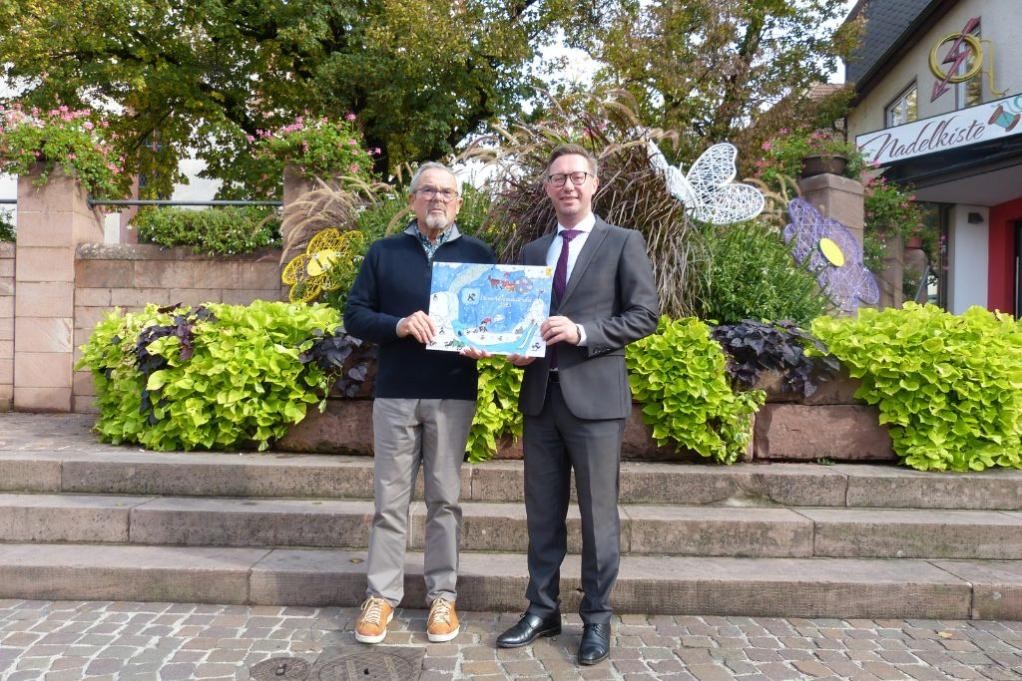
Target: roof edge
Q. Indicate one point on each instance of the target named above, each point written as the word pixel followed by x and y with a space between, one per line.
pixel 923 22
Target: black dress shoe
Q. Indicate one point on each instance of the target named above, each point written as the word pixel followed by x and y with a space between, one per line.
pixel 528 629
pixel 595 645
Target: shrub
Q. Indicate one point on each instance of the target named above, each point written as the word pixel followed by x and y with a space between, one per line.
pixel 497 413
pixel 219 377
pixel 679 376
pixel 217 231
pixel 782 156
pixel 748 272
pixel 890 211
pixel 948 386
pixel 755 347
pixel 7 231
pixel 318 147
pixel 75 140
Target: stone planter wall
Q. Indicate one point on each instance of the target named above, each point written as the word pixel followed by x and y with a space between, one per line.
pixel 131 276
pixel 829 425
pixel 6 326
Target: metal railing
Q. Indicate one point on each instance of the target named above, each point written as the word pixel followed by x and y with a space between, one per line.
pixel 168 202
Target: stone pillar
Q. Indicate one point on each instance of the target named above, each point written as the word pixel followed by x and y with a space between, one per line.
pixel 891 279
pixel 6 326
pixel 52 220
pixel 837 197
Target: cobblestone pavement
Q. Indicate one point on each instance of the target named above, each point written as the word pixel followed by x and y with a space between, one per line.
pixel 72 640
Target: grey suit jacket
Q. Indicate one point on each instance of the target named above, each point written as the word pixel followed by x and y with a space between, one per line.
pixel 612 294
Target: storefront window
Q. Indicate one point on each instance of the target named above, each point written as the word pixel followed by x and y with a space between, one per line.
pixel 902 109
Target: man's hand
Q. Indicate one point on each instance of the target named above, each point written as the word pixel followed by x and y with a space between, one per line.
pixel 559 330
pixel 520 360
pixel 418 325
pixel 474 353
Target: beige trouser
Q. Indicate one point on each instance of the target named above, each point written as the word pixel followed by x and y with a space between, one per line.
pixel 407 433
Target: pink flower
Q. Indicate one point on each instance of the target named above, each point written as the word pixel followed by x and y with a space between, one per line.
pixel 350 116
pixel 354 169
pixel 767 146
pixel 88 125
pixel 250 138
pixel 377 151
pixel 72 156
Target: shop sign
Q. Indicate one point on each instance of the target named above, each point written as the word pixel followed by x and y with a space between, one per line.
pixel 982 123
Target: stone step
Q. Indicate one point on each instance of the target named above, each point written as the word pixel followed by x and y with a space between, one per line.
pixel 760 587
pixel 119 470
pixel 645 529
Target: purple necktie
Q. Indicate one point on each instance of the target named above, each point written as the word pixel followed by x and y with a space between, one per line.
pixel 561 271
pixel 561 278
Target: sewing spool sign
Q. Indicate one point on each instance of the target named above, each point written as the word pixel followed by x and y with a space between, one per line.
pixel 990 121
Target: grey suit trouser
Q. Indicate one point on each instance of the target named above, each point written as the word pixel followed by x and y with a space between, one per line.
pixel 408 433
pixel 556 441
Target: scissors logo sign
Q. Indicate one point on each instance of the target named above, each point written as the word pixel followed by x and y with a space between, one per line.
pixel 965 49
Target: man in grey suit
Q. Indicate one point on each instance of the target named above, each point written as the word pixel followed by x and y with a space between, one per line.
pixel 575 400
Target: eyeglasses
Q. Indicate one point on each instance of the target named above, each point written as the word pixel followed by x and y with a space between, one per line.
pixel 577 178
pixel 431 193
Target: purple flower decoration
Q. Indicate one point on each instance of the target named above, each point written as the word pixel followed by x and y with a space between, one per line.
pixel 828 249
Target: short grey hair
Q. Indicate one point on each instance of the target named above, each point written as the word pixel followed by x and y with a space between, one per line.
pixel 429 165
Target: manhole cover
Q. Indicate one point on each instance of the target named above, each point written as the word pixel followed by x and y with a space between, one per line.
pixel 280 669
pixel 368 665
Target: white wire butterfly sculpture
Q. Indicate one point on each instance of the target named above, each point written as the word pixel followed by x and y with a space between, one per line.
pixel 707 190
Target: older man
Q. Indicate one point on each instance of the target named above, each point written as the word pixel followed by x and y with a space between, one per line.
pixel 424 404
pixel 575 400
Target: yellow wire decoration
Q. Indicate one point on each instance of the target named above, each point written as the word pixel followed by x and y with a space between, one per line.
pixel 317 269
pixel 977 51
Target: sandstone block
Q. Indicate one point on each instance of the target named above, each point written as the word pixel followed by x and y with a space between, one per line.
pixel 87 317
pixel 345 426
pixel 6 328
pixel 104 273
pixel 44 264
pixel 42 369
pixel 42 399
pixel 83 384
pixel 839 432
pixel 43 334
pixel 43 229
pixel 6 307
pixel 244 296
pixel 44 299
pixel 194 297
pixel 92 297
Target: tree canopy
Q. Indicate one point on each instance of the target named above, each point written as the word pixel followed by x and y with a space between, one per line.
pixel 726 70
pixel 205 75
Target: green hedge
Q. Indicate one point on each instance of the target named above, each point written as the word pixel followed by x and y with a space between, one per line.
pixel 224 230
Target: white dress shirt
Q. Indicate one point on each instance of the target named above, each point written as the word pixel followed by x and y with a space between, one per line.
pixel 574 248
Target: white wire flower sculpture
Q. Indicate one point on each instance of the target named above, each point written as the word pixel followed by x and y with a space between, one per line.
pixel 832 252
pixel 707 190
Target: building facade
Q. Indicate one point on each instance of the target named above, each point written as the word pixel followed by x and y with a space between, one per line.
pixel 939 106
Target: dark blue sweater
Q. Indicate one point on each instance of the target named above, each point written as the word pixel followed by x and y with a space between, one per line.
pixel 392 283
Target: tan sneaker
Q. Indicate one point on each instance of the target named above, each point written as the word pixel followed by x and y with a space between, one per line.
pixel 371 626
pixel 442 624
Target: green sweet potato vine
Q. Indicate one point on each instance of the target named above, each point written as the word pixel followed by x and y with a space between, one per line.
pixel 949 387
pixel 222 377
pixel 497 413
pixel 679 376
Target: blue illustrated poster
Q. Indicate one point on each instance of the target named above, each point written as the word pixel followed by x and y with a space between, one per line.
pixel 496 308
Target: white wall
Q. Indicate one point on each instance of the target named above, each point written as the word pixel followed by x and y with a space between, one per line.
pixel 968 258
pixel 999 28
